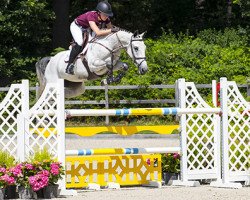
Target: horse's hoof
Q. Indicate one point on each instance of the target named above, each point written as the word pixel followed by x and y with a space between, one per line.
pixel 125 66
pixel 110 80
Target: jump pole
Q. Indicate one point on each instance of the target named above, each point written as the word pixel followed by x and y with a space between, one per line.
pixel 139 111
pixel 122 151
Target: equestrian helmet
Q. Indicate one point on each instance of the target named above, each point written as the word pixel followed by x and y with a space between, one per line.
pixel 105 8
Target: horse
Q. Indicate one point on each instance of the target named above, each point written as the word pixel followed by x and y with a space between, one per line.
pixel 101 58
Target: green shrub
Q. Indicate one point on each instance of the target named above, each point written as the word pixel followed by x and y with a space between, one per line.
pixel 6 160
pixel 41 156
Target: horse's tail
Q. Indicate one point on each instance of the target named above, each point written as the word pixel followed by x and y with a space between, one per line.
pixel 40 71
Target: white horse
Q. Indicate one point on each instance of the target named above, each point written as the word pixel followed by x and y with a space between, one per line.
pixel 102 57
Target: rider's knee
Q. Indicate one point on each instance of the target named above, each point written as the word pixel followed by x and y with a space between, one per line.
pixel 78 48
pixel 78 41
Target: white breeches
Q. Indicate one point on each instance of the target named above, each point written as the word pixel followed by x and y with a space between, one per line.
pixel 76 32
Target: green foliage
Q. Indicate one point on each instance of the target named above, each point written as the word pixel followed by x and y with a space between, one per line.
pixel 26 34
pixel 177 15
pixel 57 50
pixel 6 160
pixel 244 6
pixel 170 162
pixel 41 156
pixel 210 55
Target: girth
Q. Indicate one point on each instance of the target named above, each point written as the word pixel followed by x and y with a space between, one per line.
pixel 92 75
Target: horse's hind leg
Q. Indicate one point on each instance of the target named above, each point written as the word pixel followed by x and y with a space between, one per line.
pixel 40 91
pixel 73 89
pixel 40 70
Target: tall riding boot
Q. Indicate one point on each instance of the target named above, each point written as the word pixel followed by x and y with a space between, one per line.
pixel 76 49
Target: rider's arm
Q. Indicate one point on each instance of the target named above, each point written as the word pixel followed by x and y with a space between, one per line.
pixel 98 31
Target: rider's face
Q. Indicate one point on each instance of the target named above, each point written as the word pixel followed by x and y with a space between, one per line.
pixel 103 16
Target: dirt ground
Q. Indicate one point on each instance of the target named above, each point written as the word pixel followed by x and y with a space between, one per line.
pixel 166 192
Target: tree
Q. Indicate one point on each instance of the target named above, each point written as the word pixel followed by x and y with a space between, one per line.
pixel 61 33
pixel 25 34
pixel 244 6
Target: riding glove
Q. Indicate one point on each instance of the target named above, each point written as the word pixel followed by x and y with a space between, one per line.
pixel 114 29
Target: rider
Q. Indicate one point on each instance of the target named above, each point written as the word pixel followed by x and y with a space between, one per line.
pixel 94 20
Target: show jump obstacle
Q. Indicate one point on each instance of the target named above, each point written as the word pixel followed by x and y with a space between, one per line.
pixel 214 141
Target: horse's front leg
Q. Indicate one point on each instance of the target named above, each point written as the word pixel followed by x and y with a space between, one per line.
pixel 121 66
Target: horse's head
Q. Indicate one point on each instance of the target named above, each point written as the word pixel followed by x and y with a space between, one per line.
pixel 137 50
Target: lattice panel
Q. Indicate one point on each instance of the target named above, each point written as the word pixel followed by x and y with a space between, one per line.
pixel 200 142
pixel 238 134
pixel 10 107
pixel 42 128
pixel 122 169
pixel 201 137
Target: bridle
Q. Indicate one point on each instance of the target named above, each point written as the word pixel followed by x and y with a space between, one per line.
pixel 133 53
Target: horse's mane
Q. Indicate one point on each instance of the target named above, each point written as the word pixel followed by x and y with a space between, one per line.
pixel 121 29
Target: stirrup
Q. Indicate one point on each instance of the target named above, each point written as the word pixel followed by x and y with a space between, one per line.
pixel 70 69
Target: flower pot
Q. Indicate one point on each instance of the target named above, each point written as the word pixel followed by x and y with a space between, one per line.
pixel 2 192
pixel 169 177
pixel 26 193
pixel 40 194
pixel 10 192
pixel 48 192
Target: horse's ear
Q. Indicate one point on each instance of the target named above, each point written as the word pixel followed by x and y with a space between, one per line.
pixel 142 35
pixel 135 33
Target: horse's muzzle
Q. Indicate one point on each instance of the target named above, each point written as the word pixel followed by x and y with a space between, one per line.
pixel 143 68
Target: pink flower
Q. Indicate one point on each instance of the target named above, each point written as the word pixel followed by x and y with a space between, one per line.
pixel 176 155
pixel 29 166
pixel 38 181
pixel 54 171
pixel 8 179
pixel 55 165
pixel 44 172
pixel 54 168
pixel 17 170
pixel 2 170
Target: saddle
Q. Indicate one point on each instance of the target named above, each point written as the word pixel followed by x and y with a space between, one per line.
pixel 85 35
